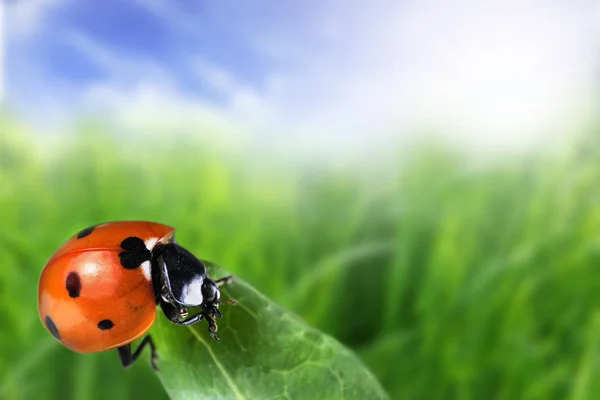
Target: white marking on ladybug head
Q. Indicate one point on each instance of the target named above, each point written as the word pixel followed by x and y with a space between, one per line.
pixel 150 243
pixel 146 270
pixel 191 294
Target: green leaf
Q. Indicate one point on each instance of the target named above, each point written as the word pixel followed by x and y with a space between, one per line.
pixel 265 352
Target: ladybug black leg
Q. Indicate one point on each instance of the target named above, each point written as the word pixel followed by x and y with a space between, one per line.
pixel 170 311
pixel 212 326
pixel 191 320
pixel 128 358
pixel 175 315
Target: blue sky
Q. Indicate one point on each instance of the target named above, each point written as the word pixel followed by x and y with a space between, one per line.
pixel 312 74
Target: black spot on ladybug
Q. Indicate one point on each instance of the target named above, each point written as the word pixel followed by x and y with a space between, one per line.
pixel 135 252
pixel 86 232
pixel 73 284
pixel 52 327
pixel 105 324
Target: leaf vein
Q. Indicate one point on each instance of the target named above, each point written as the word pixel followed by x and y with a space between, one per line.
pixel 340 380
pixel 228 378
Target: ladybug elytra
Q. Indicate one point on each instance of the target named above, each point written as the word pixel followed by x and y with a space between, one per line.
pixel 100 290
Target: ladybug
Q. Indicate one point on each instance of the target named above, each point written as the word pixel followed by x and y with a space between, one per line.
pixel 100 290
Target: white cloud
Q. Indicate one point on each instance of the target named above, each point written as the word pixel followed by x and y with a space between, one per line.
pixel 248 105
pixel 26 17
pixel 506 75
pixel 499 76
pixel 157 109
pixel 120 67
pixel 490 75
pixel 143 98
pixel 2 47
pixel 352 79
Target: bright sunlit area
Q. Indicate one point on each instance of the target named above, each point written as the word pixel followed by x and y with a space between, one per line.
pixel 331 78
pixel 328 155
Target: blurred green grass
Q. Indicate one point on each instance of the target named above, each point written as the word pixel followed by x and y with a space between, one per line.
pixel 451 280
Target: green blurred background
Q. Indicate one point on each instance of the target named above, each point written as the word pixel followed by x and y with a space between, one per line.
pixel 285 142
pixel 449 279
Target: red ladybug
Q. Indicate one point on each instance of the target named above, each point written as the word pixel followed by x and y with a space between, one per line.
pixel 99 291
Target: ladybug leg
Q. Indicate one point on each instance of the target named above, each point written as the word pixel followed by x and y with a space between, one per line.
pixel 128 358
pixel 192 320
pixel 216 297
pixel 170 311
pixel 224 281
pixel 175 316
pixel 212 326
pixel 179 316
pixel 212 299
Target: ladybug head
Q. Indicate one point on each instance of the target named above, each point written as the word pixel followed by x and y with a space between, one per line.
pixel 183 275
pixel 180 281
